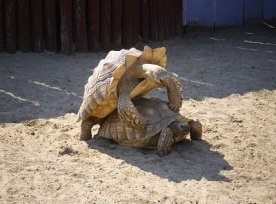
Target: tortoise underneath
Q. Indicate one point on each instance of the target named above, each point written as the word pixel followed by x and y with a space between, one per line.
pixel 165 127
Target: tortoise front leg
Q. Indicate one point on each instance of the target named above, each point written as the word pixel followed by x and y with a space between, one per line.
pixel 169 80
pixel 86 126
pixel 195 130
pixel 126 109
pixel 165 142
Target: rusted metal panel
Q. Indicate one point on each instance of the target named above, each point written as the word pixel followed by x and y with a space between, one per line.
pixel 93 22
pixel 80 25
pixel 66 31
pixel 50 25
pixel 37 25
pixel 1 26
pixel 116 28
pixel 105 23
pixel 23 26
pixel 144 25
pixel 10 25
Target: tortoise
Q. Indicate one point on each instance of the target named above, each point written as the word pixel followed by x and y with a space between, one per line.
pixel 165 128
pixel 122 76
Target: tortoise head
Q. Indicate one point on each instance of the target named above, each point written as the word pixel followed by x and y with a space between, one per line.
pixel 180 129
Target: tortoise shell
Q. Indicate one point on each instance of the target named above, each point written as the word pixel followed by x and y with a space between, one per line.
pixel 100 94
pixel 156 110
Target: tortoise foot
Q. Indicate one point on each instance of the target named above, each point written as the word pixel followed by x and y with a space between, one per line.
pixel 86 127
pixel 195 130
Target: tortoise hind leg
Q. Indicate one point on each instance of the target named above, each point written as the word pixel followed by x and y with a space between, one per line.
pixel 86 126
pixel 165 142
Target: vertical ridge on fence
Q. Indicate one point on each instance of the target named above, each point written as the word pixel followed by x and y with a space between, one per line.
pixel 166 20
pixel 160 19
pixel 127 23
pixel 10 25
pixel 178 20
pixel 144 20
pixel 80 31
pixel 37 25
pixel 1 26
pixel 23 26
pixel 153 20
pixel 66 30
pixel 105 23
pixel 50 28
pixel 136 20
pixel 116 24
pixel 93 22
pixel 81 25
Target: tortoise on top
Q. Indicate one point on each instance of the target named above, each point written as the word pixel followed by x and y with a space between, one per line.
pixel 121 76
pixel 165 128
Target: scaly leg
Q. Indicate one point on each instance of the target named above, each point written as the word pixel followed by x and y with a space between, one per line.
pixel 165 142
pixel 86 126
pixel 195 130
pixel 126 109
pixel 166 79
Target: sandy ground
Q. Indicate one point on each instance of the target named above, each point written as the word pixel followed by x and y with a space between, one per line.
pixel 229 82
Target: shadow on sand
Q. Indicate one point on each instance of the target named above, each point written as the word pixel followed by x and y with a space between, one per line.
pixel 189 160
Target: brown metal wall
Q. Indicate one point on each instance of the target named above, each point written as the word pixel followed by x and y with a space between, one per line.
pixel 85 25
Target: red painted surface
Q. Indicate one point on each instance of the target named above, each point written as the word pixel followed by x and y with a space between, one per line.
pixel 93 22
pixel 93 25
pixel 1 27
pixel 66 31
pixel 37 25
pixel 50 25
pixel 24 26
pixel 105 23
pixel 116 25
pixel 80 25
pixel 10 25
pixel 144 25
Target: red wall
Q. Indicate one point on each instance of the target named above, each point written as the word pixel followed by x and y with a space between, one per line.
pixel 85 25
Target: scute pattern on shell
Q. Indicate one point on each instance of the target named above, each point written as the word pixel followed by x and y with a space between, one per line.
pixel 101 89
pixel 160 117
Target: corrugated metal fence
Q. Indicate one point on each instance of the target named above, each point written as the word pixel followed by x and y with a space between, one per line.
pixel 85 25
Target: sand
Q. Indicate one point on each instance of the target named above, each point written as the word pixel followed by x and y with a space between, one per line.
pixel 229 81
